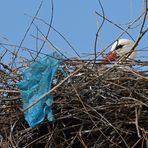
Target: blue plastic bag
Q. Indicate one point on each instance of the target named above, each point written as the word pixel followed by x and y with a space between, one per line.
pixel 37 80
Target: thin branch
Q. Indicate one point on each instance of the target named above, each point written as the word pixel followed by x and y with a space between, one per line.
pixel 97 34
pixel 51 20
pixel 141 33
pixel 64 38
pixel 118 25
pixel 136 121
pixel 46 40
pixel 27 32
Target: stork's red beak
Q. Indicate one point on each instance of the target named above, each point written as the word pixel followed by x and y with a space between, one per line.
pixel 111 56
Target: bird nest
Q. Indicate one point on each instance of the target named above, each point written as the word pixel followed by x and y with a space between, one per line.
pixel 96 106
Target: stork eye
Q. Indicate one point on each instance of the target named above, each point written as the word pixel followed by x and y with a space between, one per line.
pixel 119 46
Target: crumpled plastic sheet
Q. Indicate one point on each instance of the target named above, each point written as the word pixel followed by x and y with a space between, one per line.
pixel 37 80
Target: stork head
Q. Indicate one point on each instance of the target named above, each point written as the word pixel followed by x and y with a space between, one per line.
pixel 119 49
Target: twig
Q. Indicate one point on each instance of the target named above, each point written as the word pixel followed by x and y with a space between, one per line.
pixel 96 39
pixel 136 122
pixel 141 33
pixel 51 19
pixel 46 40
pixel 27 32
pixel 115 25
pixel 64 38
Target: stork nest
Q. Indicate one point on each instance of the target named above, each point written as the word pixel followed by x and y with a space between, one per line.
pixel 98 106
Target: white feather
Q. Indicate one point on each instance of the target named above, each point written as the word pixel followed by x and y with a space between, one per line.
pixel 127 46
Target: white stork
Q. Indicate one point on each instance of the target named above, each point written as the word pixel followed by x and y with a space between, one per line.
pixel 120 48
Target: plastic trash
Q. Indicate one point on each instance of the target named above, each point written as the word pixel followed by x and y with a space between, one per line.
pixel 37 80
